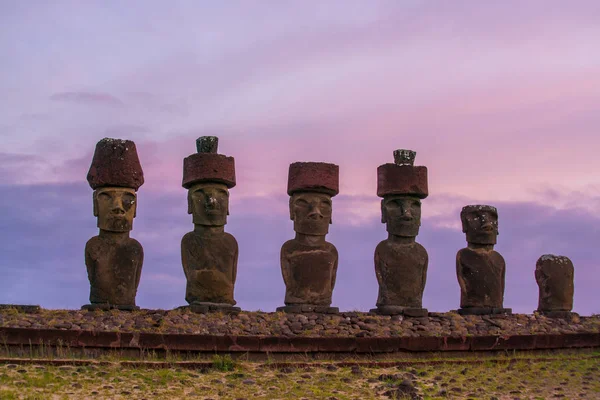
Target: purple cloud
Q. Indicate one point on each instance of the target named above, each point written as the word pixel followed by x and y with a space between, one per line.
pixel 87 98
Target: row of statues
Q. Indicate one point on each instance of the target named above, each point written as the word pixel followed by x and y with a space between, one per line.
pixel 309 263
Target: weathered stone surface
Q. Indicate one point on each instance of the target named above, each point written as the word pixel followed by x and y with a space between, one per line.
pixel 484 311
pixel 208 167
pixel 568 315
pixel 114 265
pixel 115 163
pixel 554 276
pixel 306 324
pixel 308 262
pixel 480 270
pixel 402 179
pixel 113 259
pixel 308 308
pixel 313 177
pixel 203 308
pixel 401 262
pixel 209 254
pixel 398 310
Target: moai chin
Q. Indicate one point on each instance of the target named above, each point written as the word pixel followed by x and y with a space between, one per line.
pixel 401 262
pixel 209 254
pixel 308 262
pixel 554 276
pixel 113 259
pixel 479 268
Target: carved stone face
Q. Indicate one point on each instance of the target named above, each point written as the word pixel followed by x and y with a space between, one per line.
pixel 209 204
pixel 481 226
pixel 115 208
pixel 311 212
pixel 401 214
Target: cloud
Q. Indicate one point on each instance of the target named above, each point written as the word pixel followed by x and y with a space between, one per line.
pixel 87 98
pixel 45 227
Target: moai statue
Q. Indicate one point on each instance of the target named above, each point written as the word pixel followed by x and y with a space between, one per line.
pixel 554 276
pixel 113 259
pixel 401 262
pixel 308 262
pixel 479 268
pixel 209 254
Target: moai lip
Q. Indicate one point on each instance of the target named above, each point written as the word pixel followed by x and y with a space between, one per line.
pixel 400 262
pixel 554 276
pixel 308 262
pixel 113 259
pixel 479 268
pixel 209 254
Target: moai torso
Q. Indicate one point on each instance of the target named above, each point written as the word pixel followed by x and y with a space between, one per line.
pixel 554 276
pixel 114 270
pixel 210 266
pixel 479 268
pixel 401 271
pixel 481 278
pixel 308 272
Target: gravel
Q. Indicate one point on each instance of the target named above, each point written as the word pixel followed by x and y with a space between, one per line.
pixel 352 324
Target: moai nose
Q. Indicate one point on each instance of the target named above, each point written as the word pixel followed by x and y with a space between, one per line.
pixel 315 213
pixel 117 206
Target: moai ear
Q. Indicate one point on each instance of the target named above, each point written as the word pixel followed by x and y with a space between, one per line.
pixel 291 203
pixel 95 201
pixel 463 219
pixel 135 205
pixel 383 214
pixel 189 197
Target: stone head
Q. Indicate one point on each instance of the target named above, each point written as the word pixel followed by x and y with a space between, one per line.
pixel 311 212
pixel 115 208
pixel 208 202
pixel 401 214
pixel 480 223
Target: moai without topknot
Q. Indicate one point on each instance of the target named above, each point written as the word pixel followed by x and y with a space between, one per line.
pixel 401 262
pixel 113 259
pixel 209 254
pixel 554 276
pixel 479 268
pixel 308 262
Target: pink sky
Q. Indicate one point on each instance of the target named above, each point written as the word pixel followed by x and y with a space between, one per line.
pixel 499 99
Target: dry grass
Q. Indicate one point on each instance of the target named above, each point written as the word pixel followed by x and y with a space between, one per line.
pixel 569 378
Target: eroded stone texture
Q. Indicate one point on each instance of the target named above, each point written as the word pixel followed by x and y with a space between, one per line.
pixel 209 254
pixel 554 276
pixel 113 259
pixel 308 262
pixel 401 262
pixel 479 268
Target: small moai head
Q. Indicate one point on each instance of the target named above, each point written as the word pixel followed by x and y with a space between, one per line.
pixel 480 223
pixel 554 276
pixel 208 176
pixel 115 175
pixel 311 187
pixel 402 186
